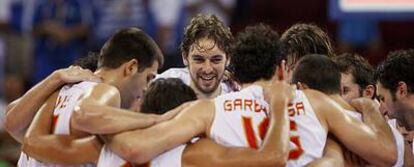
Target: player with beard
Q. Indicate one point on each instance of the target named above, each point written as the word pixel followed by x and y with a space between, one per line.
pixel 395 83
pixel 357 76
pixel 205 52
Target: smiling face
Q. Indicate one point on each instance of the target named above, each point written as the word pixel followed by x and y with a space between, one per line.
pixel 206 63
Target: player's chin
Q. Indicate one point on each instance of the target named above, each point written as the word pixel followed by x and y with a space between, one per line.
pixel 209 88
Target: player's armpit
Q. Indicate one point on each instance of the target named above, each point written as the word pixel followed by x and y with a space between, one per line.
pixel 140 146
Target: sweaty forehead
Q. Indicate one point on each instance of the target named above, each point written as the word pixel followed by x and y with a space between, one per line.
pixel 206 47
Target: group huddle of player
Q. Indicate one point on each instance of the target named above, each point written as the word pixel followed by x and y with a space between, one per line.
pixel 258 99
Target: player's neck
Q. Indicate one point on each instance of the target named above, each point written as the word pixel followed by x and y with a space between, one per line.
pixel 107 76
pixel 202 95
pixel 260 83
pixel 338 99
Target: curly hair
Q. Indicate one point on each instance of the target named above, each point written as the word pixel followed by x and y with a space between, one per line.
pixel 256 53
pixel 166 94
pixel 207 26
pixel 358 67
pixel 304 39
pixel 397 67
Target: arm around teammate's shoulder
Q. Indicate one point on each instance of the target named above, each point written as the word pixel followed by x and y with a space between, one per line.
pixel 357 136
pixel 99 113
pixel 20 113
pixel 140 146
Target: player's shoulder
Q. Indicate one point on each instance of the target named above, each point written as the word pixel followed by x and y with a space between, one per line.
pixel 319 100
pixel 101 90
pixel 201 103
pixel 315 95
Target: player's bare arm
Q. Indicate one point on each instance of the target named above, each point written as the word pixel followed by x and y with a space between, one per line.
pixel 59 149
pixel 192 121
pixel 273 152
pixel 332 155
pixel 99 113
pixel 20 112
pixel 39 143
pixel 355 135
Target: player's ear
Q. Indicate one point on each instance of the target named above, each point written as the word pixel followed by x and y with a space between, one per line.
pixel 369 91
pixel 301 86
pixel 184 56
pixel 402 90
pixel 131 67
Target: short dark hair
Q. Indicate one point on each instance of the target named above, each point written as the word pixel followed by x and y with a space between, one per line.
pixel 166 94
pixel 358 67
pixel 207 26
pixel 304 39
pixel 399 66
pixel 127 44
pixel 89 62
pixel 318 72
pixel 256 54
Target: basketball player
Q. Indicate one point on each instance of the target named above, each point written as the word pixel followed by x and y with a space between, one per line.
pixel 357 77
pixel 395 83
pixel 321 73
pixel 126 64
pixel 228 119
pixel 205 52
pixel 20 112
pixel 304 39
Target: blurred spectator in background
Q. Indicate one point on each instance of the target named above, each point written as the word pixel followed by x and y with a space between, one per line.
pixel 18 63
pixel 223 9
pixel 170 18
pixel 358 35
pixel 4 18
pixel 111 15
pixel 59 29
pixel 5 160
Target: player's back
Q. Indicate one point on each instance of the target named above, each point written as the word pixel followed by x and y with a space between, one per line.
pixel 307 135
pixel 241 118
pixel 67 99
